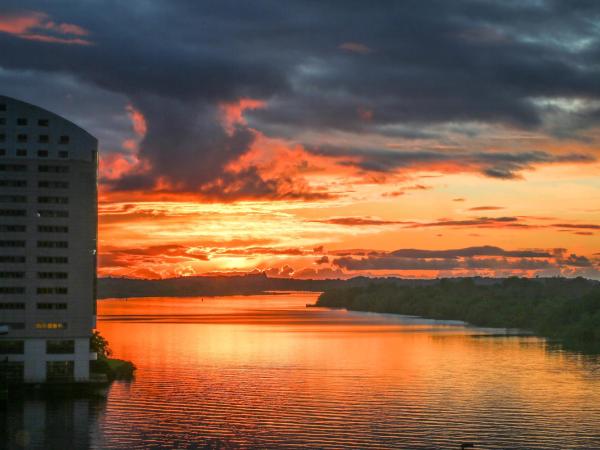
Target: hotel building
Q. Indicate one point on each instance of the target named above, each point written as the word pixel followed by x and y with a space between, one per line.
pixel 48 229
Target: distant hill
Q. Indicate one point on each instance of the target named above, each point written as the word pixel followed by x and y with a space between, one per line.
pixel 239 285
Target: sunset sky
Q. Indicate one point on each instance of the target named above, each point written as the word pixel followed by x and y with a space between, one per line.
pixel 318 139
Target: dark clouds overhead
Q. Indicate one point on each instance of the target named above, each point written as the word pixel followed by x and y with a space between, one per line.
pixel 393 69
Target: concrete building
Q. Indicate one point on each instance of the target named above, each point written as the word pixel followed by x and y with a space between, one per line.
pixel 48 229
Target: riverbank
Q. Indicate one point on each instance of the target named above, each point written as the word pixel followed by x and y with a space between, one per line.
pixel 114 369
pixel 557 308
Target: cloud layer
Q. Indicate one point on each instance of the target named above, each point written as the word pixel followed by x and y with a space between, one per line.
pixel 318 72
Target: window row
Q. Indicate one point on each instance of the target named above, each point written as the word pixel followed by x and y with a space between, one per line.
pixel 40 244
pixel 54 200
pixel 45 306
pixel 13 199
pixel 23 121
pixel 13 183
pixel 39 291
pixel 41 168
pixel 41 228
pixel 53 213
pixel 51 325
pixel 52 291
pixel 42 275
pixel 55 346
pixel 41 199
pixel 23 138
pixel 12 259
pixel 22 152
pixel 12 228
pixel 40 259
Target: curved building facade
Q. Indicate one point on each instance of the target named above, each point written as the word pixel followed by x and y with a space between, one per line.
pixel 48 235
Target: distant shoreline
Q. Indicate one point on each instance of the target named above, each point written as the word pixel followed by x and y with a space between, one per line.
pixel 252 284
pixel 561 309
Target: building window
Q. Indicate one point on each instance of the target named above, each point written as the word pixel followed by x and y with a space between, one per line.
pixel 52 290
pixel 12 243
pixel 12 212
pixel 13 167
pixel 52 244
pixel 2 120
pixel 64 140
pixel 54 200
pixel 13 325
pixel 51 325
pixel 60 346
pixel 43 122
pixel 52 260
pixel 22 138
pixel 13 228
pixel 42 153
pixel 52 213
pixel 54 169
pixel 51 306
pixel 12 290
pixel 13 183
pixel 22 122
pixel 2 152
pixel 43 138
pixel 13 199
pixel 51 275
pixel 12 259
pixel 21 152
pixel 12 274
pixel 60 371
pixel 12 305
pixel 2 137
pixel 2 106
pixel 63 154
pixel 53 184
pixel 11 347
pixel 52 229
pixel 12 371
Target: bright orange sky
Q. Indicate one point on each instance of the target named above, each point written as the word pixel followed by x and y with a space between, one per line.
pixel 550 210
pixel 419 139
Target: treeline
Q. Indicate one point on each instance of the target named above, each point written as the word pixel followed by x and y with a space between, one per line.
pixel 561 308
pixel 212 285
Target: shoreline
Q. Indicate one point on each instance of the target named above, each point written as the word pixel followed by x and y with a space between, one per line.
pixel 562 311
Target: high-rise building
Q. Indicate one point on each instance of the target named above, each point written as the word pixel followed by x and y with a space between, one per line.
pixel 48 229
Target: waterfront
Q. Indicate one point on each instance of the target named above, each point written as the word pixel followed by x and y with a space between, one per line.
pixel 265 371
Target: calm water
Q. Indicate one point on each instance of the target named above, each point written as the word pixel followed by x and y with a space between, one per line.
pixel 266 372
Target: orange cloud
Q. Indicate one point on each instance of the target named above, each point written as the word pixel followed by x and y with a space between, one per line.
pixel 138 120
pixel 37 26
pixel 232 114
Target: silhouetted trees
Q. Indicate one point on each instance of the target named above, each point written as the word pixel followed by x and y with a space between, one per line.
pixel 567 309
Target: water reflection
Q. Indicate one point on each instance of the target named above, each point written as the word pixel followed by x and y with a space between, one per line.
pixel 44 422
pixel 266 372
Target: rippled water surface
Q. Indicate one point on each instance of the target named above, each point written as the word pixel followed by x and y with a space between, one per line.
pixel 267 372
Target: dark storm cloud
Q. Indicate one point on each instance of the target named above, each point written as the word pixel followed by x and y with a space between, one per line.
pixel 470 258
pixel 331 65
pixel 486 250
pixel 501 165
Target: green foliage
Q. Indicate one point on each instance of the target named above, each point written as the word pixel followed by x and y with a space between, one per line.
pixel 99 345
pixel 567 309
pixel 114 369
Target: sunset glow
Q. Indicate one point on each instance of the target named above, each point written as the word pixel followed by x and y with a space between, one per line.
pixel 346 157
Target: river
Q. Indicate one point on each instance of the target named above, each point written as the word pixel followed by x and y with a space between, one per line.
pixel 264 371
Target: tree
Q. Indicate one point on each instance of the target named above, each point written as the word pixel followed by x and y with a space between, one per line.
pixel 99 345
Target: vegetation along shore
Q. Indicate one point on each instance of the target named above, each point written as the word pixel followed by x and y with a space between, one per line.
pixel 556 308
